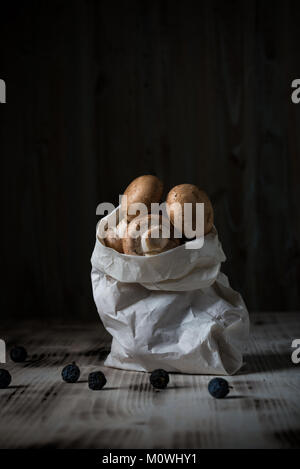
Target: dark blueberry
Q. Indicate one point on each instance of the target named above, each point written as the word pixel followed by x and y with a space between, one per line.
pixel 5 378
pixel 218 388
pixel 97 380
pixel 18 354
pixel 159 379
pixel 70 373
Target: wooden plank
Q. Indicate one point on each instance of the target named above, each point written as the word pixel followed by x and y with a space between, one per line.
pixel 40 410
pixel 101 92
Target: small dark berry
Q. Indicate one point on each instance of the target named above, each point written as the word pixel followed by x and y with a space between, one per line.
pixel 18 354
pixel 218 388
pixel 97 380
pixel 70 373
pixel 159 379
pixel 5 378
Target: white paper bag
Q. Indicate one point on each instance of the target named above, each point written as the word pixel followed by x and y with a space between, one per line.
pixel 174 310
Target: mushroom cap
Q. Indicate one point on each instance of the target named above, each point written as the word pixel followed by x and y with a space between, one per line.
pixel 189 193
pixel 114 235
pixel 149 235
pixel 144 189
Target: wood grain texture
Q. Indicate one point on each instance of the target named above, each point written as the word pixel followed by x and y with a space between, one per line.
pixel 40 410
pixel 100 92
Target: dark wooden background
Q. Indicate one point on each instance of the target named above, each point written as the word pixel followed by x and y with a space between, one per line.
pixel 99 92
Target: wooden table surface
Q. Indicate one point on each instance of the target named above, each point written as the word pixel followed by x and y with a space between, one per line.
pixel 40 410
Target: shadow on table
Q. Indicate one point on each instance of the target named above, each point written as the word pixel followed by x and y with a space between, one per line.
pixel 266 362
pixel 288 438
pixel 238 396
pixel 18 386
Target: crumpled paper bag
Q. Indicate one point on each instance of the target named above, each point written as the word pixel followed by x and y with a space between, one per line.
pixel 174 310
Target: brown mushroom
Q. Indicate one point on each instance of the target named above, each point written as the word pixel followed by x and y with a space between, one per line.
pixel 188 193
pixel 149 235
pixel 144 189
pixel 114 235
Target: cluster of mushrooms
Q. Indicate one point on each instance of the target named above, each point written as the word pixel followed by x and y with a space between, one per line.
pixel 152 238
